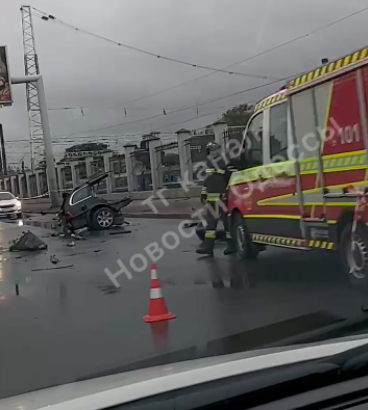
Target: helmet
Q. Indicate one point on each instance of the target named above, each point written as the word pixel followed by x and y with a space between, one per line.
pixel 213 148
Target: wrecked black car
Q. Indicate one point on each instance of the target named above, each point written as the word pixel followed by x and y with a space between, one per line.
pixel 84 208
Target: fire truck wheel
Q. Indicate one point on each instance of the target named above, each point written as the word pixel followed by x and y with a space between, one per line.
pixel 243 242
pixel 355 261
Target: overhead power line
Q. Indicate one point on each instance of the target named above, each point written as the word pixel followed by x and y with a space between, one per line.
pixel 49 17
pixel 254 56
pixel 175 111
pixel 41 14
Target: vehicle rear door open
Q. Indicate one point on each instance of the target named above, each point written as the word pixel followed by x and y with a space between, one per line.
pixel 329 121
pixel 309 112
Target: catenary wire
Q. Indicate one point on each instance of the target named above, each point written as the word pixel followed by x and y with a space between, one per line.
pixel 281 45
pixel 54 19
pixel 174 111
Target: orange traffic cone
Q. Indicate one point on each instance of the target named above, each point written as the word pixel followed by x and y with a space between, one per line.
pixel 157 307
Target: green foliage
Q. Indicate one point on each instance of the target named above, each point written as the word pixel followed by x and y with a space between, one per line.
pixel 88 146
pixel 238 115
pixel 170 159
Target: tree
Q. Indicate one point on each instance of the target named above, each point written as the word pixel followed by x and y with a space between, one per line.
pixel 88 146
pixel 238 115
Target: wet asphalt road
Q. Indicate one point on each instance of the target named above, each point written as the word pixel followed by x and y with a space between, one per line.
pixel 70 324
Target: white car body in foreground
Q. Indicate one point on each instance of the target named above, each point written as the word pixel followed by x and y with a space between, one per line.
pixel 10 205
pixel 101 393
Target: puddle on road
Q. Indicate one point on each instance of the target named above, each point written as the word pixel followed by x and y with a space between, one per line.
pixel 248 340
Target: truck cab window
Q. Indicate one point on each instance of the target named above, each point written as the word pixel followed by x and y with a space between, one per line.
pixel 253 141
pixel 278 133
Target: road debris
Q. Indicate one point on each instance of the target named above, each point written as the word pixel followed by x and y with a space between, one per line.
pixel 54 259
pixel 120 232
pixel 78 237
pixel 27 241
pixel 81 231
pixel 191 224
pixel 56 267
pixel 98 250
pixel 75 254
pixel 70 244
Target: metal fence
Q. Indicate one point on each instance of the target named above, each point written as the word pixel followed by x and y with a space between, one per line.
pixel 168 166
pixel 43 183
pixel 234 133
pixel 117 166
pixel 33 185
pixel 66 175
pixel 120 183
pixel 142 169
pixel 198 147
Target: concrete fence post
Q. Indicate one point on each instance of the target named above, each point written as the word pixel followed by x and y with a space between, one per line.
pixel 12 185
pixel 130 164
pixel 88 162
pixel 20 183
pixel 106 159
pixel 153 143
pixel 38 183
pixel 160 169
pixel 184 155
pixel 74 174
pixel 219 127
pixel 60 177
pixel 188 152
pixel 28 182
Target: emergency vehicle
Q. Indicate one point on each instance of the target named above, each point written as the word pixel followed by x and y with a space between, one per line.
pixel 306 150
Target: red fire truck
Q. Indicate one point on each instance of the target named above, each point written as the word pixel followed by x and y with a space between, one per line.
pixel 307 156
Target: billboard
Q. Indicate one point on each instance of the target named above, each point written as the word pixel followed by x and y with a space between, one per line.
pixel 5 86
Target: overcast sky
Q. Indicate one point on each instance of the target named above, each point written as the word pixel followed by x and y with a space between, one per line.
pixel 80 71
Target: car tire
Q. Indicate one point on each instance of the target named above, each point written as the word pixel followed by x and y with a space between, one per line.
pixel 355 263
pixel 243 243
pixel 103 218
pixel 19 216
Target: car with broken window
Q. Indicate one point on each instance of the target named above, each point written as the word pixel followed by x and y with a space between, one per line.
pixel 85 208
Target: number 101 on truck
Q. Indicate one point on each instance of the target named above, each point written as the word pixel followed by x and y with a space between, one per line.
pixel 306 150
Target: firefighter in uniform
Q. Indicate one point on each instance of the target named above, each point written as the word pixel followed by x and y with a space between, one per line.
pixel 212 194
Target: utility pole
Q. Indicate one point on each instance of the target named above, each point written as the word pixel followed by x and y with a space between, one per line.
pixel 36 103
pixel 31 68
pixel 4 166
pixel 50 165
pixel 1 157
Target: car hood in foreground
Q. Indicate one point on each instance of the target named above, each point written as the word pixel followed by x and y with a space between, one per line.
pixel 122 388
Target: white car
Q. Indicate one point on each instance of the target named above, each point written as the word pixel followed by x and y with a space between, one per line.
pixel 9 205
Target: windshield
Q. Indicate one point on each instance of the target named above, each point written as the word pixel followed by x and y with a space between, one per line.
pixel 179 180
pixel 6 195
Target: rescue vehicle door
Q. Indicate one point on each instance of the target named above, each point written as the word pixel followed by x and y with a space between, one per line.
pixel 309 116
pixel 272 208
